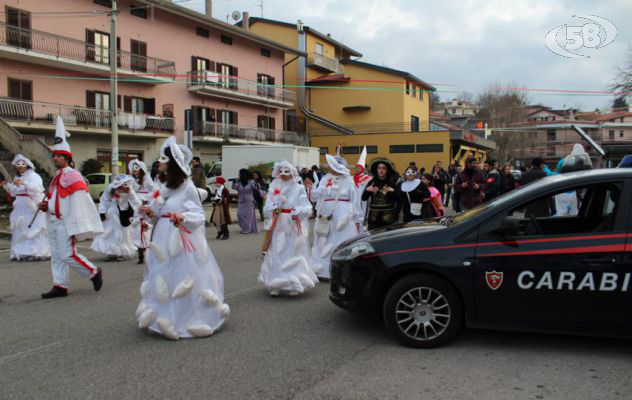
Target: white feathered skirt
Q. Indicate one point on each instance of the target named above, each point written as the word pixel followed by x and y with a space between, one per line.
pixel 115 240
pixel 28 242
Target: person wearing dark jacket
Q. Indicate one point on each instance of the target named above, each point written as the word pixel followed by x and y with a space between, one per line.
pixel 470 184
pixel 381 194
pixel 197 173
pixel 507 180
pixel 492 180
pixel 413 195
pixel 540 208
pixel 441 178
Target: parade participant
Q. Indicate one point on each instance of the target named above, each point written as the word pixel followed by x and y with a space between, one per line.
pixel 183 290
pixel 116 207
pixel 435 197
pixel 285 268
pixel 413 196
pixel 360 180
pixel 469 183
pixel 246 208
pixel 71 215
pixel 29 235
pixel 337 214
pixel 382 196
pixel 220 216
pixel 143 186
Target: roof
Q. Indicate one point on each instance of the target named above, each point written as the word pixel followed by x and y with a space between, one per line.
pixel 609 116
pixel 403 74
pixel 168 6
pixel 308 29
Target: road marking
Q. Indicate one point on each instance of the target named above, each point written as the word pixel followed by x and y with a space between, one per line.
pixel 5 250
pixel 29 352
pixel 236 292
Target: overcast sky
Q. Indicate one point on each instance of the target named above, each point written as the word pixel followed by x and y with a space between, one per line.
pixel 467 44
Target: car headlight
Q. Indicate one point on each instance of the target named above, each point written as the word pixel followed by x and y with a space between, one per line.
pixel 353 251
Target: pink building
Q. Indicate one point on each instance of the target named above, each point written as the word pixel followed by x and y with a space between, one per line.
pixel 54 59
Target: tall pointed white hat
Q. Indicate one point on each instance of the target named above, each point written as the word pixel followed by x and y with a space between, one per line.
pixel 362 160
pixel 61 145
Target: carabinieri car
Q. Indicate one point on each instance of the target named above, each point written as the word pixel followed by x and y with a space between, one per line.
pixel 552 256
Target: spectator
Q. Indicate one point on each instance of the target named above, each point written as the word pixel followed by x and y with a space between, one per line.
pixel 317 174
pixel 541 208
pixel 441 178
pixel 470 184
pixel 492 180
pixel 435 196
pixel 197 173
pixel 451 174
pixel 456 196
pixel 507 180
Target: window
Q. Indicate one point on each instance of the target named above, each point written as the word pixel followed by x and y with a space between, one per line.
pixel 199 66
pixel 106 3
pixel 202 32
pixel 454 111
pixel 578 210
pixel 371 149
pixel 407 87
pixel 324 151
pixel 265 122
pixel 227 40
pixel 96 179
pixel 351 150
pixel 262 88
pixel 139 55
pixel 19 28
pixel 550 135
pixel 20 89
pixel 139 105
pixel 97 46
pixel 621 134
pixel 429 148
pixel 414 90
pixel 421 94
pixel 227 117
pixel 138 11
pixel 228 76
pixel 266 52
pixel 319 49
pixel 414 123
pixel 610 135
pixel 402 148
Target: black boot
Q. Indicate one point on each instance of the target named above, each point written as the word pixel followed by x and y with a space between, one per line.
pixel 219 234
pixel 56 291
pixel 97 280
pixel 225 234
pixel 141 256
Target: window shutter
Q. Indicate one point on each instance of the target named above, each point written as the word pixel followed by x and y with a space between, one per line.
pixel 211 66
pixel 272 124
pixel 150 106
pixel 13 17
pixel 14 89
pixel 27 90
pixel 127 104
pixel 91 101
pixel 89 36
pixel 133 46
pixel 233 118
pixel 219 116
pixel 25 20
pixel 260 121
pixel 142 48
pixel 194 63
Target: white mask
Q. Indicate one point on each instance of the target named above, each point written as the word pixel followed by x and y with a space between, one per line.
pixel 21 164
pixel 163 159
pixel 285 172
pixel 136 168
pixel 410 172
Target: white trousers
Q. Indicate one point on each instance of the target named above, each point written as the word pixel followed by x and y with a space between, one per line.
pixel 64 254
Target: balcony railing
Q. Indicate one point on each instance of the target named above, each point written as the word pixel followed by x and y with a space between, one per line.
pixel 320 61
pixel 46 113
pixel 209 80
pixel 226 131
pixel 64 47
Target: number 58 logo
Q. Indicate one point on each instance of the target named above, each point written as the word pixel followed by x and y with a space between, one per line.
pixel 591 35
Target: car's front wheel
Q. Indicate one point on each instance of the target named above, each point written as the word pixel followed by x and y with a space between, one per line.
pixel 422 311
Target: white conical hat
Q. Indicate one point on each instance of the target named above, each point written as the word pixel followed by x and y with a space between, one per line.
pixel 61 145
pixel 180 153
pixel 362 160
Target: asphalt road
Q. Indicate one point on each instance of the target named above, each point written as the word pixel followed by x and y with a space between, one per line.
pixel 87 346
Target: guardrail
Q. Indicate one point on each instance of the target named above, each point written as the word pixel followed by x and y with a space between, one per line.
pixel 227 131
pixel 64 47
pixel 39 112
pixel 215 80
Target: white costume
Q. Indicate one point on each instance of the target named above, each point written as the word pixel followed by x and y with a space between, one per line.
pixel 338 212
pixel 27 242
pixel 71 215
pixel 286 268
pixel 141 228
pixel 116 239
pixel 183 290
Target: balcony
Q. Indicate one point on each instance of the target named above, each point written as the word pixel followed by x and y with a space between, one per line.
pixel 31 46
pixel 209 83
pixel 323 63
pixel 217 132
pixel 37 116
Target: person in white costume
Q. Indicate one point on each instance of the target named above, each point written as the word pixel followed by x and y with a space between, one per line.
pixel 71 215
pixel 285 268
pixel 183 291
pixel 29 241
pixel 338 215
pixel 144 187
pixel 360 180
pixel 117 207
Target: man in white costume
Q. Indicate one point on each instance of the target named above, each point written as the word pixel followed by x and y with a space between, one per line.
pixel 71 214
pixel 360 180
pixel 29 236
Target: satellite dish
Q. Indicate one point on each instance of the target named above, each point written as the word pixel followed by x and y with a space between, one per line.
pixel 236 15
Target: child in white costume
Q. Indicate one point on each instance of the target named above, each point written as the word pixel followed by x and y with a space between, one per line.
pixel 116 206
pixel 183 290
pixel 286 268
pixel 144 188
pixel 28 242
pixel 338 213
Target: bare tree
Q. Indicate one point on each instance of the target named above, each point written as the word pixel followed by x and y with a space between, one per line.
pixel 466 97
pixel 502 108
pixel 435 101
pixel 622 81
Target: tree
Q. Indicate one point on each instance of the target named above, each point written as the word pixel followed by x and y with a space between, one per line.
pixel 435 101
pixel 91 166
pixel 501 108
pixel 622 81
pixel 620 102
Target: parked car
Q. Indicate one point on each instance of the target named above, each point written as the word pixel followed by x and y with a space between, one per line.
pixel 97 183
pixel 513 263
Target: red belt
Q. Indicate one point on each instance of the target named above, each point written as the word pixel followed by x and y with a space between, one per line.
pixel 285 210
pixel 22 195
pixel 347 200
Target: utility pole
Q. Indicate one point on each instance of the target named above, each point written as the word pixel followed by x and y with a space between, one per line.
pixel 114 90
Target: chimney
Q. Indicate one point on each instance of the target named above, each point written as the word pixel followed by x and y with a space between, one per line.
pixel 245 20
pixel 208 8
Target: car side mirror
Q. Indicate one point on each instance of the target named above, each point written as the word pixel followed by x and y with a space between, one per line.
pixel 509 226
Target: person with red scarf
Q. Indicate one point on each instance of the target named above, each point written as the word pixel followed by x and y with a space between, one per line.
pixel 71 214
